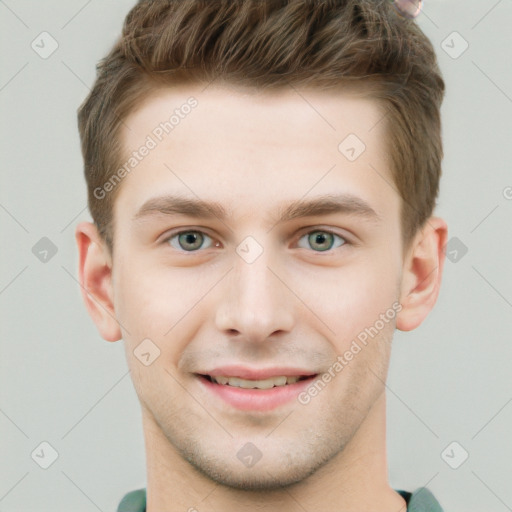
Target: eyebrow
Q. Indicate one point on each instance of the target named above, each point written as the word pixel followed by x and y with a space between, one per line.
pixel 347 204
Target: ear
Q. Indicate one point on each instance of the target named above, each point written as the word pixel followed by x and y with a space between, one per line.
pixel 422 272
pixel 95 277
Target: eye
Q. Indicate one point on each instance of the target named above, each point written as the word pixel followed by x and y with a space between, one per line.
pixel 188 241
pixel 322 240
pixel 192 240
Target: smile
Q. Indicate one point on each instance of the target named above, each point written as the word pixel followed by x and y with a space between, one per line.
pixel 257 384
pixel 254 395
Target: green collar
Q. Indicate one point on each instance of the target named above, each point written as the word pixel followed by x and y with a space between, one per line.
pixel 421 500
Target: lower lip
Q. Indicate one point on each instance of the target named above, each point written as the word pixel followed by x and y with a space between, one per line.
pixel 256 399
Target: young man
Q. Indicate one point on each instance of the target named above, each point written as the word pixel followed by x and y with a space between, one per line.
pixel 262 176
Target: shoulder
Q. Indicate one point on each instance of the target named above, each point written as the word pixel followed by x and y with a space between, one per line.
pixel 134 501
pixel 422 500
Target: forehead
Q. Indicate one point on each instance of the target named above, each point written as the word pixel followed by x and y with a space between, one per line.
pixel 244 111
pixel 233 144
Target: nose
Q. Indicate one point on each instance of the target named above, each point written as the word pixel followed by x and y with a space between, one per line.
pixel 255 302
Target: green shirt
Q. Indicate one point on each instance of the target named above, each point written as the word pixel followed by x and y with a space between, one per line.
pixel 420 500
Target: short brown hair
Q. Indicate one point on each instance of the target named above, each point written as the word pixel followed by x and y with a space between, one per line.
pixel 267 44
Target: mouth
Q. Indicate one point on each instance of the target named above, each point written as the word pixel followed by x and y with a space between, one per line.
pixel 269 383
pixel 254 395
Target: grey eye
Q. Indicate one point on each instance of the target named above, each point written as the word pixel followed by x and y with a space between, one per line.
pixel 188 240
pixel 321 240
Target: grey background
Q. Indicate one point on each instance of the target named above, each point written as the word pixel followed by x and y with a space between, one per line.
pixel 449 381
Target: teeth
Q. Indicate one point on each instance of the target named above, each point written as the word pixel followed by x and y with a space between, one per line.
pixel 259 384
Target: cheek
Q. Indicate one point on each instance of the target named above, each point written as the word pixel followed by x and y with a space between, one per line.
pixel 143 300
pixel 352 298
pixel 158 302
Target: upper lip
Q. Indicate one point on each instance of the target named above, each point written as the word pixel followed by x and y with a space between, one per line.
pixel 244 372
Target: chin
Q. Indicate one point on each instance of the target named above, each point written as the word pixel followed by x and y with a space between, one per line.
pixel 252 480
pixel 265 476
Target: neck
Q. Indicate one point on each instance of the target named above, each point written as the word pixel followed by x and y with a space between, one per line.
pixel 356 479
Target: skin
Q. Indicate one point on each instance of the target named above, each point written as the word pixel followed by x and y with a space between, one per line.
pixel 409 8
pixel 294 305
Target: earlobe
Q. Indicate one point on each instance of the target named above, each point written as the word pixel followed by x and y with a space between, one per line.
pixel 95 278
pixel 422 273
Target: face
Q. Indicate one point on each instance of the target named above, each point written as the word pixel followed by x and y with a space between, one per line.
pixel 257 285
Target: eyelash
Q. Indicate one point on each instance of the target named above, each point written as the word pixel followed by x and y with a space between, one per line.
pixel 315 230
